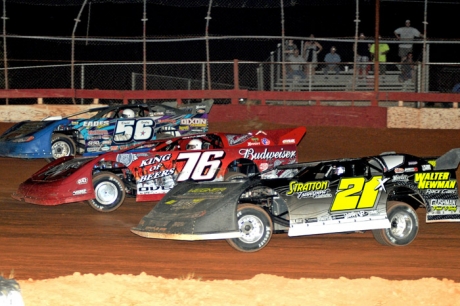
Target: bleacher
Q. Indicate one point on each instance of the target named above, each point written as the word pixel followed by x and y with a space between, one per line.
pixel 344 82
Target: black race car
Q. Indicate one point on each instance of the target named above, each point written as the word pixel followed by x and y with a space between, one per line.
pixel 378 193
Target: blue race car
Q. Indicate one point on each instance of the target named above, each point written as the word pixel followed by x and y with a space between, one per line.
pixel 98 130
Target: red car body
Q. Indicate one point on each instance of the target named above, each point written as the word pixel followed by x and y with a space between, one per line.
pixel 149 170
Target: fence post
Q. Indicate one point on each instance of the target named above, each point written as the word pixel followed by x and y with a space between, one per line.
pixel 272 70
pixel 82 80
pixel 236 81
pixel 260 77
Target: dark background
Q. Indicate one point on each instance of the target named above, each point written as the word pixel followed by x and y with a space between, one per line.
pixel 186 18
pixel 325 18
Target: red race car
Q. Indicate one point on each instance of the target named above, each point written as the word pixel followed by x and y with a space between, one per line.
pixel 149 170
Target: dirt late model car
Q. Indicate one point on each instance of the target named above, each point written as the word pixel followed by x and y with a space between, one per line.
pixel 148 171
pixel 378 193
pixel 98 130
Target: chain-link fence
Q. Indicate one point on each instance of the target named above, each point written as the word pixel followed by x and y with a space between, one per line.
pixel 271 73
pixel 208 61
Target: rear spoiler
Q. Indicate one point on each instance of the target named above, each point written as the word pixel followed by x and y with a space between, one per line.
pixel 197 108
pixel 291 136
pixel 448 161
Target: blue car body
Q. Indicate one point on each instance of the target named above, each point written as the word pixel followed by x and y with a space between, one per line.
pixel 102 129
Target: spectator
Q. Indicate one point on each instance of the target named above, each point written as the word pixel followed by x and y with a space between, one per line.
pixel 331 59
pixel 383 51
pixel 456 88
pixel 362 51
pixel 407 68
pixel 406 33
pixel 297 67
pixel 290 47
pixel 311 49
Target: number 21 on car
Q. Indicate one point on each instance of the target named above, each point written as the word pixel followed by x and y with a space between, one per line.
pixel 357 193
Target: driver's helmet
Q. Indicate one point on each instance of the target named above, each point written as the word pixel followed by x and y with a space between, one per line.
pixel 127 113
pixel 194 144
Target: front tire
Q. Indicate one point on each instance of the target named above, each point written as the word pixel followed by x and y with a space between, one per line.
pixel 255 226
pixel 109 190
pixel 404 225
pixel 61 145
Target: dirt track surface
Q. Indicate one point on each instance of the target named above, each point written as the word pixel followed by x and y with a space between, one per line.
pixel 46 242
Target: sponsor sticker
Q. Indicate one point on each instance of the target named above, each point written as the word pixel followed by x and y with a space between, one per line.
pixel 94 143
pixel 98 132
pixel 401 177
pixel 79 192
pixel 266 154
pixel 435 180
pixel 194 122
pixel 288 141
pixel 444 204
pixel 233 140
pixel 82 181
pixel 263 166
pixel 98 124
pixel 426 167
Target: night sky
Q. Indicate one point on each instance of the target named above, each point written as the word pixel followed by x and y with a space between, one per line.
pixel 324 20
pixel 124 20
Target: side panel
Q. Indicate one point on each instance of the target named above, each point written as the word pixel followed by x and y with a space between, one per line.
pixel 194 211
pixel 346 204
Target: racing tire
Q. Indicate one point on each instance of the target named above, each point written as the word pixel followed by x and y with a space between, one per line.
pixel 234 176
pixel 109 190
pixel 61 145
pixel 403 225
pixel 255 226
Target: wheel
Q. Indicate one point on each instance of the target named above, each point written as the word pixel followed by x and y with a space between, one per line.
pixel 61 145
pixel 109 190
pixel 233 176
pixel 256 228
pixel 404 225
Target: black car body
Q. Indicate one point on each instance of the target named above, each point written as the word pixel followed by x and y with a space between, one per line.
pixel 378 193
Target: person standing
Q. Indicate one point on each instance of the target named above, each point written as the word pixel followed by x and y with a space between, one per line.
pixel 383 51
pixel 290 47
pixel 407 68
pixel 311 49
pixel 406 33
pixel 362 51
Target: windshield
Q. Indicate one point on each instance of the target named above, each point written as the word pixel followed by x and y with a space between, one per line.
pixel 92 114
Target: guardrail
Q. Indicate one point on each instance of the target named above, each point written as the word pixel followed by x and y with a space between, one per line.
pixel 233 96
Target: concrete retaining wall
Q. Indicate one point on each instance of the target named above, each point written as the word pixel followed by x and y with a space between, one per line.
pixel 423 118
pixel 377 117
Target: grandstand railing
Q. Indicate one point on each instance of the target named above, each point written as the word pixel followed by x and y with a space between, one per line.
pixel 231 97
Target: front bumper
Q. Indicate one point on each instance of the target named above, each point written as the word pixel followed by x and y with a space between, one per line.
pixel 49 194
pixel 32 149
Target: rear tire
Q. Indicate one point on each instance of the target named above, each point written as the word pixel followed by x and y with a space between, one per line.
pixel 404 225
pixel 109 190
pixel 61 145
pixel 234 176
pixel 255 226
